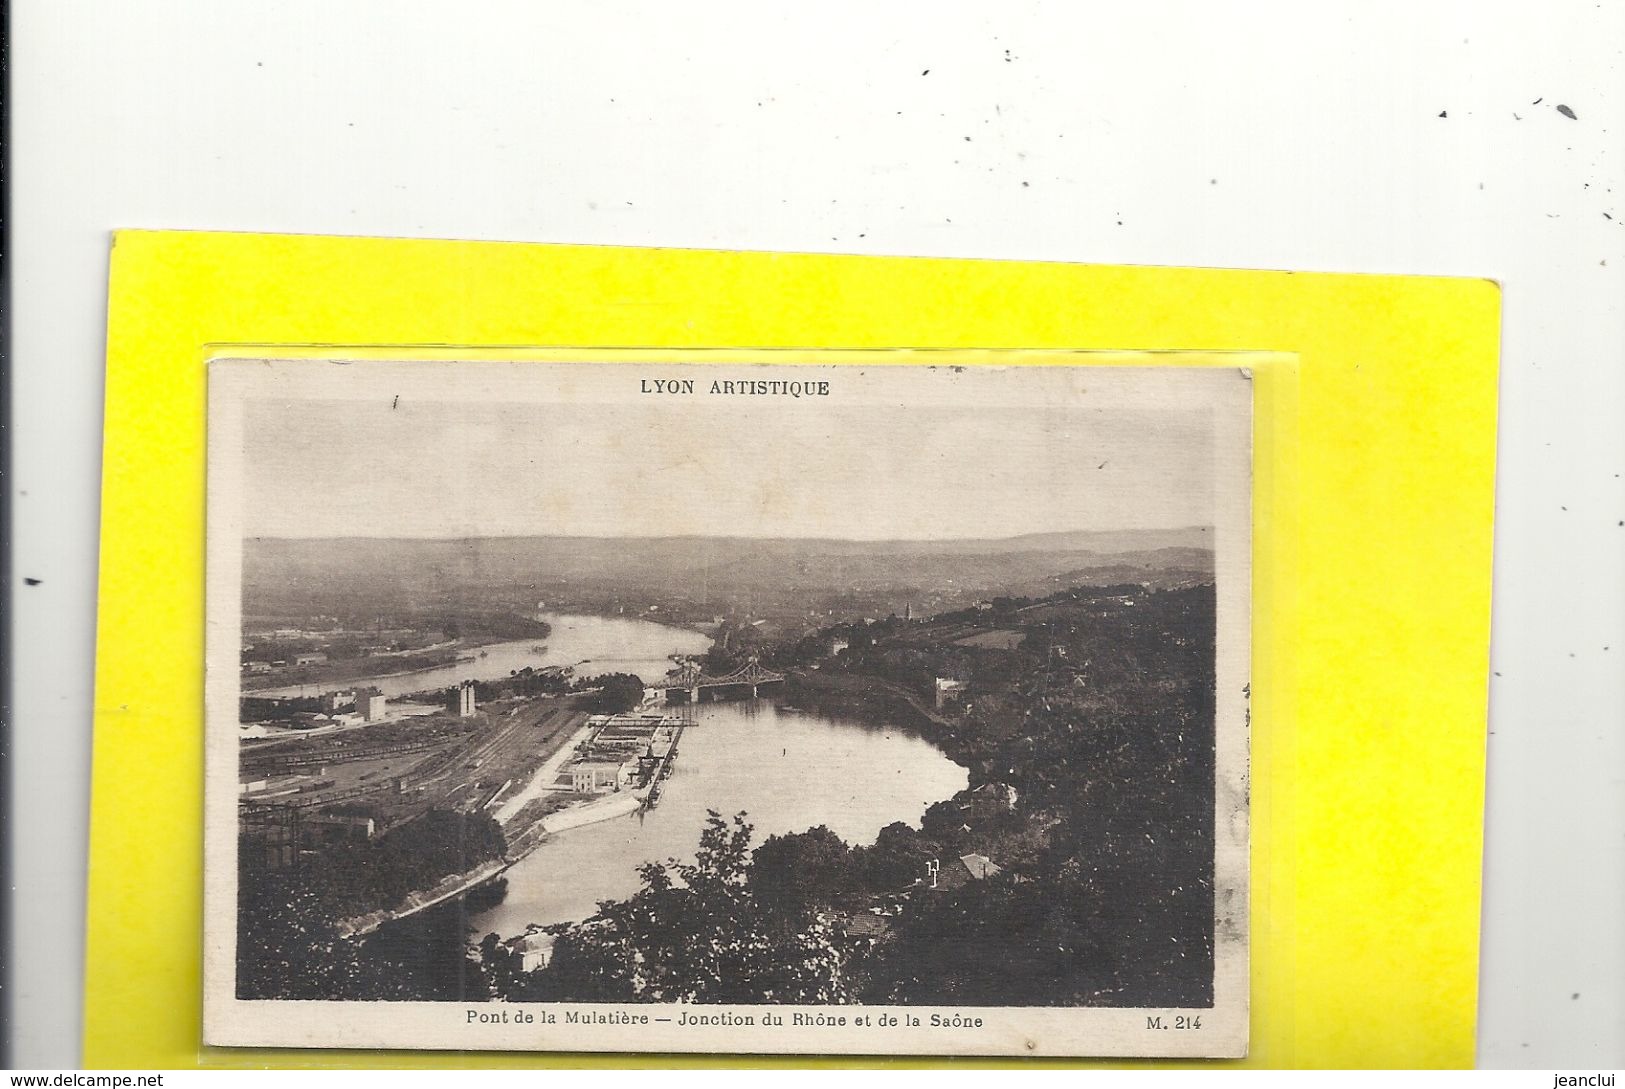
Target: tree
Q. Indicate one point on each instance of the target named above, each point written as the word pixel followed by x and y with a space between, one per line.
pixel 287 947
pixel 358 876
pixel 944 822
pixel 994 943
pixel 897 858
pixel 794 873
pixel 617 692
pixel 693 933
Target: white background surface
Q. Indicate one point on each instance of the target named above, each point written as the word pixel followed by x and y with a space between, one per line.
pixel 1259 135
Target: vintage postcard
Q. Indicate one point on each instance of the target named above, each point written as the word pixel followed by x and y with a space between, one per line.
pixel 733 707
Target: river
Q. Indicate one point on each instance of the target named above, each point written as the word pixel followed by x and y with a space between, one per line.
pixel 592 644
pixel 787 770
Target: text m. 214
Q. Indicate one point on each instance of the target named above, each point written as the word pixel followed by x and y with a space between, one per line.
pixel 1179 1021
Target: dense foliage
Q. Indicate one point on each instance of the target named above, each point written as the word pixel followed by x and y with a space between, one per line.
pixel 695 932
pixel 605 693
pixel 288 944
pixel 616 692
pixel 358 876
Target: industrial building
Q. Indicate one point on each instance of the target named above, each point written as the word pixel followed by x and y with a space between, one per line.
pixel 460 699
pixel 370 705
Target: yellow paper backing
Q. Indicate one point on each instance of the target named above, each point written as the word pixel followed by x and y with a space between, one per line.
pixel 1374 465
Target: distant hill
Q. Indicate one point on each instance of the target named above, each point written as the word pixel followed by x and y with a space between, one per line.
pixel 310 574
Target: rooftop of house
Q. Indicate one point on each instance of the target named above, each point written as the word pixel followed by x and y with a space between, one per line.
pixel 979 866
pixel 599 765
pixel 865 925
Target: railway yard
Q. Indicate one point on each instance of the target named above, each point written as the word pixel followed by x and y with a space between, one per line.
pixel 377 777
pixel 533 765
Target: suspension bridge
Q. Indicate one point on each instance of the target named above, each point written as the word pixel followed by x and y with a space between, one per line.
pixel 689 682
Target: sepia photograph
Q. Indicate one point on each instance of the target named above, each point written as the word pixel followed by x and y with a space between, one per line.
pixel 738 706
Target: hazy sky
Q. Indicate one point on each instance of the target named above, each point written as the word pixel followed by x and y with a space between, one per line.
pixel 331 469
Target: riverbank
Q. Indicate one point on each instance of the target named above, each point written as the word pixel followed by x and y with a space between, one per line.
pixel 541 782
pixel 348 672
pixel 880 702
pixel 262 684
pixel 446 889
pixel 528 839
pixel 864 697
pixel 538 814
pixel 530 818
pixel 604 808
pixel 788 771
